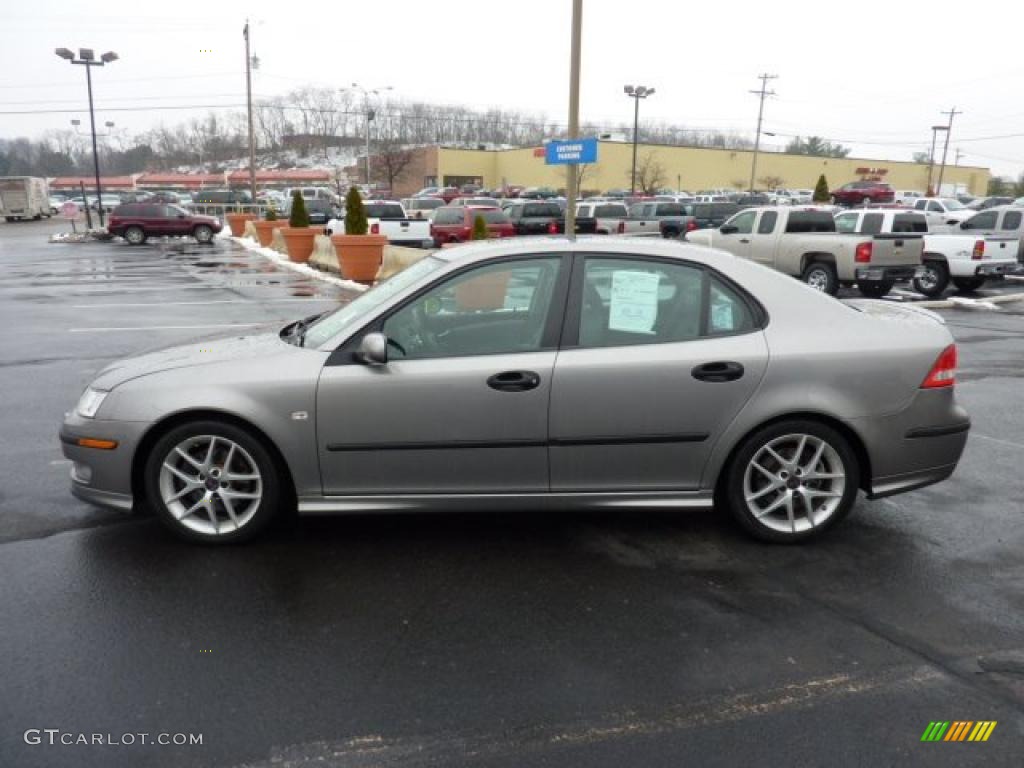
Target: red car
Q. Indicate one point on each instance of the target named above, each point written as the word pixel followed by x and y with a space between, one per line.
pixel 863 192
pixel 454 224
pixel 137 221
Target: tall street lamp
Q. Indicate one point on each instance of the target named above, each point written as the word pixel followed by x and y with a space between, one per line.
pixel 87 58
pixel 369 117
pixel 636 93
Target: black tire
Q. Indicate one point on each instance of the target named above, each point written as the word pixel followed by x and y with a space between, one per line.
pixel 272 496
pixel 874 289
pixel 135 235
pixel 821 276
pixel 203 234
pixel 833 199
pixel 669 233
pixel 8 218
pixel 968 284
pixel 936 279
pixel 865 201
pixel 733 490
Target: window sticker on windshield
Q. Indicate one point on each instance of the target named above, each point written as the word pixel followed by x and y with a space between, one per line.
pixel 722 318
pixel 634 302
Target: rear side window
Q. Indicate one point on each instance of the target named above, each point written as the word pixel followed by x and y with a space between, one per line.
pixel 767 223
pixel 384 211
pixel 542 209
pixel 610 210
pixel 492 217
pixel 448 216
pixel 920 205
pixel 872 224
pixel 846 223
pixel 909 224
pixel 810 221
pixel 669 209
pixel 1011 221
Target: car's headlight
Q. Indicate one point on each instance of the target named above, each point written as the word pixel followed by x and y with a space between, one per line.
pixel 90 402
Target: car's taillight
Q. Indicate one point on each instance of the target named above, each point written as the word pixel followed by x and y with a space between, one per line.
pixel 863 253
pixel 622 227
pixel 691 225
pixel 552 228
pixel 943 373
pixel 979 250
pixel 375 228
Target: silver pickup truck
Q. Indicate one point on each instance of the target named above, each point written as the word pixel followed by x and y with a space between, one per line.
pixel 965 258
pixel 647 218
pixel 803 242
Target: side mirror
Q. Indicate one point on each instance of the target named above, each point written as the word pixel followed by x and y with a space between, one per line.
pixel 373 349
pixel 963 225
pixel 728 229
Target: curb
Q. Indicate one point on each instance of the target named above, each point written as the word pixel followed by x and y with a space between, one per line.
pixel 951 303
pixel 305 269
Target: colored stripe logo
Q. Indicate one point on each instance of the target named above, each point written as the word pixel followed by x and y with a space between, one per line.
pixel 959 730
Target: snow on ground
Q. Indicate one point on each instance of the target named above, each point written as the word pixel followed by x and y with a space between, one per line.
pixel 305 269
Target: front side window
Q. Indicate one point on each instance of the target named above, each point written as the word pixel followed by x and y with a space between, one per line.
pixel 633 301
pixel 935 207
pixel 498 308
pixel 986 220
pixel 743 222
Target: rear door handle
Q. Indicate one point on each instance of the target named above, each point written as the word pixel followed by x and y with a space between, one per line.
pixel 514 381
pixel 718 372
pixel 744 240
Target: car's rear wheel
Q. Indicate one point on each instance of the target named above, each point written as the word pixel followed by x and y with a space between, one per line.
pixel 821 276
pixel 203 234
pixel 968 283
pixel 213 482
pixel 833 199
pixel 791 481
pixel 875 289
pixel 135 235
pixel 933 279
pixel 865 200
pixel 669 232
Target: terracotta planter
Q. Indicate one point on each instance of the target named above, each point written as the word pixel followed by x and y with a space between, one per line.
pixel 237 222
pixel 299 241
pixel 265 230
pixel 484 292
pixel 360 256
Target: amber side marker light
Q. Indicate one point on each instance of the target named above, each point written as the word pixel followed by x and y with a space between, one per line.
pixel 92 442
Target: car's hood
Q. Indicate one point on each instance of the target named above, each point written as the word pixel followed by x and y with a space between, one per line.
pixel 205 351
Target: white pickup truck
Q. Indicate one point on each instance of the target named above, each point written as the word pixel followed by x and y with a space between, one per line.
pixel 608 215
pixel 803 242
pixel 968 260
pixel 388 218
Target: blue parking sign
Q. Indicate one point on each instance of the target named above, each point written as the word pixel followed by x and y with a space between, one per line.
pixel 571 152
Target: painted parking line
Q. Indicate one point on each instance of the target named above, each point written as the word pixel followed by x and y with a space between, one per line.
pixel 997 440
pixel 204 303
pixel 164 327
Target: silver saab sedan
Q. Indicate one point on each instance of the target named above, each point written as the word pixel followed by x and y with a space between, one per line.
pixel 536 373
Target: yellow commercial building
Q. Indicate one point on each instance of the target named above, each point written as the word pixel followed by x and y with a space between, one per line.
pixel 690 168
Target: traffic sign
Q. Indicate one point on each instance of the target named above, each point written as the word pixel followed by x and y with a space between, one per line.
pixel 571 152
pixel 69 210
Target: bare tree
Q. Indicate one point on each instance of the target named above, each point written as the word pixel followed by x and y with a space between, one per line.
pixel 650 173
pixel 771 182
pixel 390 159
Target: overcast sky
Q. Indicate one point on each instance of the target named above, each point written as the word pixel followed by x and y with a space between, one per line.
pixel 875 76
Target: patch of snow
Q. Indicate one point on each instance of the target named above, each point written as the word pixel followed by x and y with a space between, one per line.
pixel 305 269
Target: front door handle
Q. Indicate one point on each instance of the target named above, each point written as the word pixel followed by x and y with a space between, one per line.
pixel 514 381
pixel 744 240
pixel 718 372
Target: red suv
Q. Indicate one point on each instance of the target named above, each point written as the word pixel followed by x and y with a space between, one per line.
pixel 863 192
pixel 137 221
pixel 454 224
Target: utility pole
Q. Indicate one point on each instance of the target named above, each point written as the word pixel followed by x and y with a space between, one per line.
pixel 248 99
pixel 931 160
pixel 763 94
pixel 959 154
pixel 945 147
pixel 572 176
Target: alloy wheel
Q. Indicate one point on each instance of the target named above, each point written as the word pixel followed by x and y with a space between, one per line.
pixel 818 280
pixel 794 483
pixel 210 485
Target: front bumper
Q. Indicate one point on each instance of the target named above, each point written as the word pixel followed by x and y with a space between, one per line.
pixel 101 477
pixel 895 274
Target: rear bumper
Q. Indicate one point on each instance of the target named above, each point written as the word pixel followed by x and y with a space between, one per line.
pixel 916 447
pixel 893 273
pixel 996 268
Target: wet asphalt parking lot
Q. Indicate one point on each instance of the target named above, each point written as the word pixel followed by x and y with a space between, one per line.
pixel 633 639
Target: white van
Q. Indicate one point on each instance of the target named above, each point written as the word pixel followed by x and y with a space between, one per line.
pixel 24 197
pixel 314 193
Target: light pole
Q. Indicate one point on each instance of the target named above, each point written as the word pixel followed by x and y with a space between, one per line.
pixel 248 101
pixel 636 93
pixel 931 158
pixel 369 117
pixel 763 93
pixel 87 59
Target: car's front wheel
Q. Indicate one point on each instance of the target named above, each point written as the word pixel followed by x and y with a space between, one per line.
pixel 933 279
pixel 203 234
pixel 968 284
pixel 135 235
pixel 213 482
pixel 791 481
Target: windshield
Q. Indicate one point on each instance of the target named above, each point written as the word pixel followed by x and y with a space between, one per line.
pixel 330 325
pixel 953 205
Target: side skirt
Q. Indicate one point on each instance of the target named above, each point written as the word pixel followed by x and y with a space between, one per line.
pixel 503 502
